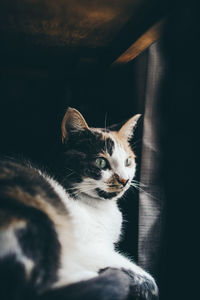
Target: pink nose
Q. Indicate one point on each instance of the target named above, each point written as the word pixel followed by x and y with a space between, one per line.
pixel 123 181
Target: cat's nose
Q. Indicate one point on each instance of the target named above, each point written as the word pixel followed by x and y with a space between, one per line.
pixel 123 181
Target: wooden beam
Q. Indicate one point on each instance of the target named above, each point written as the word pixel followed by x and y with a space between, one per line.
pixel 142 43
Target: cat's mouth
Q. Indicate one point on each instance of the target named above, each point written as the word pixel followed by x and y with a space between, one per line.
pixel 115 188
pixel 118 188
pixel 106 195
pixel 106 191
pixel 111 191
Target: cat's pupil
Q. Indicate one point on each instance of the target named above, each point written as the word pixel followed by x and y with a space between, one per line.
pixel 128 162
pixel 101 163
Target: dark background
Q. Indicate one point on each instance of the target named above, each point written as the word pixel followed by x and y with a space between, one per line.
pixel 33 103
pixel 32 110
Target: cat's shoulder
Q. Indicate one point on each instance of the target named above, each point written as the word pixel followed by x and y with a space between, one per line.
pixel 24 182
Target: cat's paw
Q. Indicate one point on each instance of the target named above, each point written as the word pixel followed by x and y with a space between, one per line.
pixel 142 287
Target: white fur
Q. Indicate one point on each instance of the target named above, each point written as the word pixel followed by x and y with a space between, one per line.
pixel 92 226
pixel 95 228
pixel 9 245
pixel 117 162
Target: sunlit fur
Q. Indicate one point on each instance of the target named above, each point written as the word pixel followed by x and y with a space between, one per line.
pixel 71 228
pixel 97 219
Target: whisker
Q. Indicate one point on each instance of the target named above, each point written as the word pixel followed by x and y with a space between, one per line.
pixel 105 130
pixel 136 186
pixel 138 182
pixel 72 170
pixel 135 144
pixel 72 188
pixel 105 127
pixel 113 185
pixel 83 188
pixel 68 175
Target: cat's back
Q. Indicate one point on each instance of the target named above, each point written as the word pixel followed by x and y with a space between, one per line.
pixel 23 185
pixel 32 219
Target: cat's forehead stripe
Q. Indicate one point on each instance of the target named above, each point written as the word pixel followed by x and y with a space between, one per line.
pixel 113 141
pixel 109 145
pixel 122 143
pixel 108 140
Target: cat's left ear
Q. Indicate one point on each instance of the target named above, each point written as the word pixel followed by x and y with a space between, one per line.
pixel 73 121
pixel 127 130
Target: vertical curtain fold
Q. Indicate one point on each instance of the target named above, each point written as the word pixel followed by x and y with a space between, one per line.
pixel 151 197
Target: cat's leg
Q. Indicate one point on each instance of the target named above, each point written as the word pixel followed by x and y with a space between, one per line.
pixel 112 284
pixel 70 276
pixel 142 283
pixel 13 281
pixel 29 252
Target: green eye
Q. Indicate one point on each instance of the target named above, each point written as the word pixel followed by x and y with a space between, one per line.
pixel 128 162
pixel 101 163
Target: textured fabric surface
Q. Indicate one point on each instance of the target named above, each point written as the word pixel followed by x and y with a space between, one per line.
pixel 151 198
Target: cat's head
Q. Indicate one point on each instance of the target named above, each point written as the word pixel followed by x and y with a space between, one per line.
pixel 96 162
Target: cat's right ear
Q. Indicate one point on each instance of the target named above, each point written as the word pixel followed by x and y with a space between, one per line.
pixel 72 121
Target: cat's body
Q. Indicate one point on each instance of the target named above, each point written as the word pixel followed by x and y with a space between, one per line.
pixel 58 234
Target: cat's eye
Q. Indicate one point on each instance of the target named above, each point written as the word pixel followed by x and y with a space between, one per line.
pixel 101 163
pixel 128 162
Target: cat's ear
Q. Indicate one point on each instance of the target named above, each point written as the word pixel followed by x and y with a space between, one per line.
pixel 72 121
pixel 127 130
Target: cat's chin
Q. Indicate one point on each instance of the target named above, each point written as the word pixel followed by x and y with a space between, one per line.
pixel 102 195
pixel 99 195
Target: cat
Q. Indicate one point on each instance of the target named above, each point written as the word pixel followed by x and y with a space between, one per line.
pixel 59 233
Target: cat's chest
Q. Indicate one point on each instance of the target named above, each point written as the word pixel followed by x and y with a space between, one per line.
pixel 96 225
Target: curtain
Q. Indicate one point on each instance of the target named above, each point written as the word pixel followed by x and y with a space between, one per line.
pixel 151 196
pixel 169 206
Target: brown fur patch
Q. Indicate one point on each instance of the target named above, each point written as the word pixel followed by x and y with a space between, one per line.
pixel 123 142
pixel 119 139
pixel 19 195
pixel 113 184
pixel 8 220
pixel 6 173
